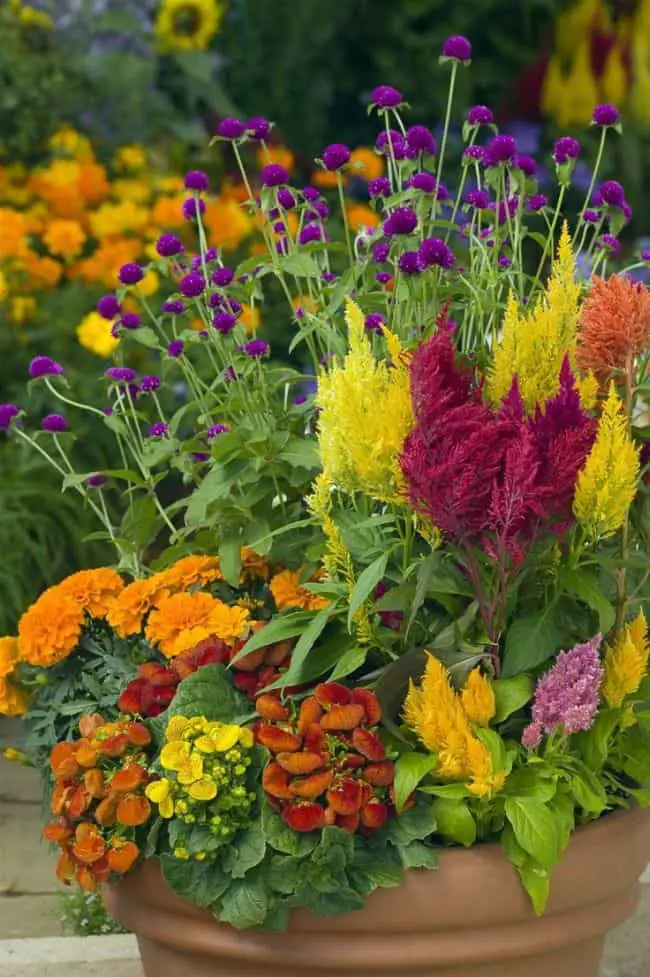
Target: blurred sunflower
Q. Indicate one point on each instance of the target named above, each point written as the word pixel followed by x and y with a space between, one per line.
pixel 188 25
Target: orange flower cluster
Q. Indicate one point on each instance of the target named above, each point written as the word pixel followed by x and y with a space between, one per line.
pixel 98 800
pixel 288 591
pixel 329 766
pixel 13 701
pixel 614 327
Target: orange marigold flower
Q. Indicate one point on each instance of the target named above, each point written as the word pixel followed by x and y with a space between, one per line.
pixel 182 620
pixel 94 590
pixel 13 701
pixel 121 855
pixel 8 656
pixel 50 630
pixel 65 238
pixel 288 591
pixel 126 615
pixel 254 565
pixel 189 571
pixel 88 845
pixel 614 326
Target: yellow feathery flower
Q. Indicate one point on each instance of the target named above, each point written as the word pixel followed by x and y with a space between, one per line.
pixel 580 91
pixel 553 88
pixel 638 103
pixel 533 346
pixel 607 484
pixel 626 662
pixel 365 415
pixel 484 780
pixel 477 698
pixel 614 78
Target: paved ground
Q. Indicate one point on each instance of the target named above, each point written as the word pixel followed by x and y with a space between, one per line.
pixel 29 893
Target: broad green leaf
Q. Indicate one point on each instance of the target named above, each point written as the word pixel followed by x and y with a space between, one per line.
pixel 584 586
pixel 510 694
pixel 418 855
pixel 245 852
pixel 230 559
pixel 301 453
pixel 534 878
pixel 318 662
pixel 594 744
pixel 284 839
pixel 145 336
pixel 366 585
pixel 535 828
pixel 199 882
pixel 244 904
pixel 283 626
pixel 215 485
pixel 300 264
pixel 455 821
pixel 530 641
pixel 410 769
pixel 588 791
pixel 210 693
pixel 349 662
pixel 416 824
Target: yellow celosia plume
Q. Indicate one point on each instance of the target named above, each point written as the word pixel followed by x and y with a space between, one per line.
pixel 439 717
pixel 626 662
pixel 533 346
pixel 365 415
pixel 607 484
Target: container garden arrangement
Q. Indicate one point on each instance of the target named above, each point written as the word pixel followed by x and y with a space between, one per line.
pixel 371 691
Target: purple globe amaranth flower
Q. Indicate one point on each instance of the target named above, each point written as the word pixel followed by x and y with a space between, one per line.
pixel 506 209
pixel 7 414
pixel 374 322
pixel 421 139
pixel 480 115
pixel 44 366
pixel 286 199
pixel 108 307
pixel 159 430
pixel 591 216
pixel 474 154
pixel 441 192
pixel 321 209
pixel 605 115
pixel 379 187
pixel 380 252
pixel 478 198
pixel 215 430
pixel 96 481
pixel 150 383
pixel 645 255
pixel 197 180
pixel 173 307
pixel 222 277
pixel 224 322
pixel 526 164
pixel 409 263
pixel 609 243
pixel 425 182
pixel 501 149
pixel 402 220
pixel 192 285
pixel 328 276
pixel 335 156
pixel 230 128
pixel 310 233
pixel 274 175
pixel 256 348
pixel 568 695
pixel 434 251
pixel 131 273
pixel 612 193
pixel 169 245
pixel 626 210
pixel 258 127
pixel 54 423
pixel 504 261
pixel 457 48
pixel 130 320
pixel 192 207
pixel 211 254
pixel 387 139
pixel 383 277
pixel 566 148
pixel 300 399
pixel 175 348
pixel 120 374
pixel 386 97
pixel 310 193
pixel 537 202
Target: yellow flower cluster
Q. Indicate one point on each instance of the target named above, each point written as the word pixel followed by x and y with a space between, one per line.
pixel 443 720
pixel 626 662
pixel 206 765
pixel 607 484
pixel 534 345
pixel 365 414
pixel 574 84
pixel 13 701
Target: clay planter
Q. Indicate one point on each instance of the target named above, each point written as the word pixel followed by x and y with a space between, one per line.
pixel 470 918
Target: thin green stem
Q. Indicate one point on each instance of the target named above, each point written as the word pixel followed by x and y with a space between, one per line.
pixel 344 215
pixel 594 175
pixel 445 131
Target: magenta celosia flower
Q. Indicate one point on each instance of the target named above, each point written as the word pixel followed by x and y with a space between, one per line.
pixel 567 696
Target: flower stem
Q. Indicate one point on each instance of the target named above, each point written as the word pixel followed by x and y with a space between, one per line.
pixel 445 131
pixel 348 238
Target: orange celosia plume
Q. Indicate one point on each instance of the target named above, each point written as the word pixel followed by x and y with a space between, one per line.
pixel 614 326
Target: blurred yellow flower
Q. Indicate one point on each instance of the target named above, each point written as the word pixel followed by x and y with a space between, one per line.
pixel 94 334
pixel 626 662
pixel 113 219
pixel 22 308
pixel 131 158
pixel 149 284
pixel 188 25
pixel 607 484
pixel 69 142
pixel 226 223
pixel 65 238
pixel 250 318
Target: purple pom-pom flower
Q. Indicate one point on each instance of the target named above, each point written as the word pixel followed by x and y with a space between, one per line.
pixel 335 156
pixel 54 423
pixel 386 97
pixel 108 307
pixel 605 115
pixel 197 180
pixel 230 128
pixel 7 414
pixel 457 48
pixel 44 366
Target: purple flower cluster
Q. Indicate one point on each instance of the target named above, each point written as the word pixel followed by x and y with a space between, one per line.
pixel 44 366
pixel 54 423
pixel 335 156
pixel 120 374
pixel 567 696
pixel 566 148
pixel 434 251
pixel 501 149
pixel 403 220
pixel 7 414
pixel 274 175
pixel 386 97
pixel 130 273
pixel 480 115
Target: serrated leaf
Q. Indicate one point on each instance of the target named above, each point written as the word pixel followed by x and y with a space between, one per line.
pixel 198 882
pixel 245 852
pixel 244 904
pixel 283 839
pixel 418 855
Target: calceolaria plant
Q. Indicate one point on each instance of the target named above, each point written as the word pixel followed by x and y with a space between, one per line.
pixel 388 593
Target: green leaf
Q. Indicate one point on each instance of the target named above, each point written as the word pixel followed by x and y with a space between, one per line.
pixel 209 692
pixel 283 839
pixel 230 559
pixel 535 828
pixel 244 904
pixel 584 586
pixel 139 521
pixel 300 264
pixel 594 744
pixel 278 628
pixel 455 821
pixel 145 336
pixel 410 769
pixel 366 584
pixel 416 824
pixel 380 865
pixel 305 643
pixel 353 659
pixel 418 855
pixel 334 903
pixel 216 485
pixel 199 882
pixel 510 694
pixel 534 878
pixel 301 453
pixel 588 791
pixel 530 641
pixel 245 852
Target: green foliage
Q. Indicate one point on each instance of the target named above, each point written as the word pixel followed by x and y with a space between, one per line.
pixel 83 914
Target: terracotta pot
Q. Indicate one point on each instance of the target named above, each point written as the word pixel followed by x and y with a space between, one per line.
pixel 470 918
